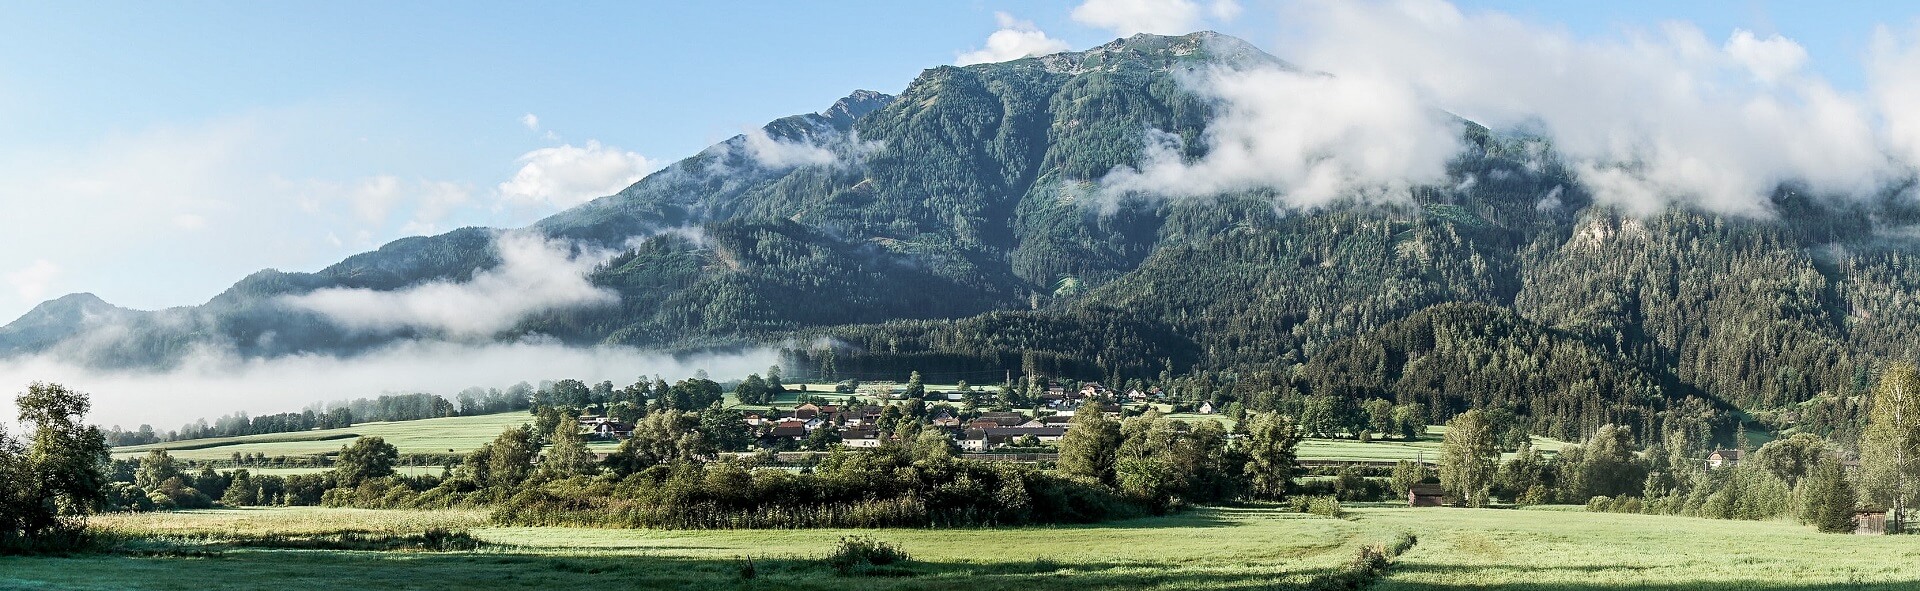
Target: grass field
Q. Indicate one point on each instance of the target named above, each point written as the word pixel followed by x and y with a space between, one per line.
pixel 1204 549
pixel 1569 551
pixel 462 434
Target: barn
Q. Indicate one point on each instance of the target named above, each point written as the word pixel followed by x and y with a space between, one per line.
pixel 1426 495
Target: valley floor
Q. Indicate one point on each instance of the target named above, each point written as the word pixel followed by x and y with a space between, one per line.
pixel 1209 548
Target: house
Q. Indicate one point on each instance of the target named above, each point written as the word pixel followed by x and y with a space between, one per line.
pixel 1055 420
pixel 1723 458
pixel 979 440
pixel 1136 396
pixel 784 431
pixel 806 411
pixel 612 429
pixel 1002 418
pixel 860 438
pixel 973 440
pixel 946 422
pixel 1426 495
pixel 1206 408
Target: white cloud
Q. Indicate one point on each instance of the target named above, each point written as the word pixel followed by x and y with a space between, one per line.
pixel 375 196
pixel 232 195
pixel 530 121
pixel 534 275
pixel 1015 39
pixel 211 383
pixel 566 175
pixel 1771 60
pixel 1165 17
pixel 1314 138
pixel 776 153
pixel 1224 10
pixel 1893 67
pixel 33 281
pixel 1647 117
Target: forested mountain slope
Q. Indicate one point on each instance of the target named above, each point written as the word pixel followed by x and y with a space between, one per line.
pixel 959 229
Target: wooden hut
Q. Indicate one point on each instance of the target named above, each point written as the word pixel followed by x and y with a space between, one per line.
pixel 1426 495
pixel 1870 522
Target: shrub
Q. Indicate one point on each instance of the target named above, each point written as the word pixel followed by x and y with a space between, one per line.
pixel 1325 506
pixel 860 554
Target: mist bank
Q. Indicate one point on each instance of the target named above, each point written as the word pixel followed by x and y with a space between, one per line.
pixel 211 383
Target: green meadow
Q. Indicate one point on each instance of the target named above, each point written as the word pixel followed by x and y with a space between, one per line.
pixel 1201 549
pixel 460 434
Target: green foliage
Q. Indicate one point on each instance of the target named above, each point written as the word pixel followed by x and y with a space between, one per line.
pixel 367 457
pixel 1890 448
pixel 568 456
pixel 1827 499
pixel 1272 444
pixel 858 555
pixel 54 481
pixel 1468 458
pixel 753 390
pixel 1090 447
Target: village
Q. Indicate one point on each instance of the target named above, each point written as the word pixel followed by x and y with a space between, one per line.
pixel 866 416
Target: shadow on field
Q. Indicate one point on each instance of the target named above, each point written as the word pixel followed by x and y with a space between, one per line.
pixel 322 570
pixel 1597 573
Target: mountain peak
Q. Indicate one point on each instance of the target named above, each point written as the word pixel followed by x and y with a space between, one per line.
pixel 1164 52
pixel 54 320
pixel 857 105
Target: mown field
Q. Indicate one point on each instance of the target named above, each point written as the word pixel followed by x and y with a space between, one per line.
pixel 1203 549
pixel 461 434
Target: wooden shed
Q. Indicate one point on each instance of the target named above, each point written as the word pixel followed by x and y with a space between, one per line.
pixel 1426 495
pixel 1870 522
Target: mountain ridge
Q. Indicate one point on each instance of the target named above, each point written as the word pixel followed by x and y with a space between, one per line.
pixel 957 229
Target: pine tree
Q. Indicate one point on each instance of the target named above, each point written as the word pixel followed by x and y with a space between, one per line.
pixel 1828 498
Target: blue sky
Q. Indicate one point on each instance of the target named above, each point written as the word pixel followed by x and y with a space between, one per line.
pixel 154 153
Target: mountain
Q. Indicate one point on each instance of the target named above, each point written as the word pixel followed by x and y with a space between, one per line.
pixel 958 229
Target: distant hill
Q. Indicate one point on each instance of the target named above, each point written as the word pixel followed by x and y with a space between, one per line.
pixel 953 229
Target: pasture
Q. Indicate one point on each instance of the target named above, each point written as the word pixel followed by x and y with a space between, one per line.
pixel 461 434
pixel 1202 549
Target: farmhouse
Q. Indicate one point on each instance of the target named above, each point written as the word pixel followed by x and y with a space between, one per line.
pixel 1426 495
pixel 979 440
pixel 860 438
pixel 1723 458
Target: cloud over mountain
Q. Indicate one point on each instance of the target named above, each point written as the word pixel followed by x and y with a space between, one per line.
pixel 1014 40
pixel 535 275
pixel 568 175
